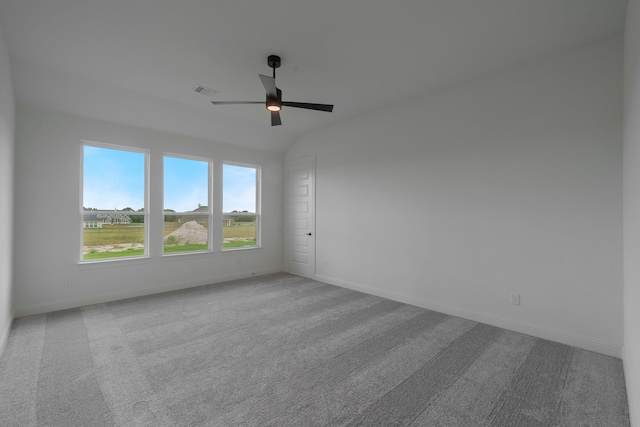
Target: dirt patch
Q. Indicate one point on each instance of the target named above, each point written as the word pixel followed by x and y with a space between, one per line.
pixel 189 232
pixel 112 248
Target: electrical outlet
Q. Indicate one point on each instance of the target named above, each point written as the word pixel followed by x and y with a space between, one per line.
pixel 324 264
pixel 515 299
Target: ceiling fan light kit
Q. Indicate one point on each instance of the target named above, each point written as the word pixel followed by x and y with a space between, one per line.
pixel 274 101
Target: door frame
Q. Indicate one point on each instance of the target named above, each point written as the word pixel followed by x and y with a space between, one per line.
pixel 311 212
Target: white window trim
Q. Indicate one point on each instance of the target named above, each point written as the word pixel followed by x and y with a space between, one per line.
pixel 145 213
pixel 258 213
pixel 209 212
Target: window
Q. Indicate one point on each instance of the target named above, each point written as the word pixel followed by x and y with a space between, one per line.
pixel 187 212
pixel 240 206
pixel 114 219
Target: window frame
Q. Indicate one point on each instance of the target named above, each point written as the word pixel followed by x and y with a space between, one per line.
pixel 258 210
pixel 209 212
pixel 145 213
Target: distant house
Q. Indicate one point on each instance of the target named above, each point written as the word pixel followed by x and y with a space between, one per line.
pixel 202 219
pixel 96 219
pixel 91 221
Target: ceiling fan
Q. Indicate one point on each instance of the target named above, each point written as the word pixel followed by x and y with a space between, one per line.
pixel 274 102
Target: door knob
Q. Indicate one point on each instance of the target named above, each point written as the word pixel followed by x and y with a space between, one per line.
pixel 308 234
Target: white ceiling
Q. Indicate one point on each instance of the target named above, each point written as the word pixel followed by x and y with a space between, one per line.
pixel 139 61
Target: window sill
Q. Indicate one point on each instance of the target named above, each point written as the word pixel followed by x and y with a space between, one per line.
pixel 248 248
pixel 111 261
pixel 180 255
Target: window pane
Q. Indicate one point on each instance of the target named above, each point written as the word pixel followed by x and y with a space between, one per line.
pixel 240 218
pixel 186 205
pixel 109 234
pixel 239 231
pixel 113 192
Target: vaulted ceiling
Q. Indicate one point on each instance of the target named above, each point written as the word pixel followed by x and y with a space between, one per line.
pixel 138 61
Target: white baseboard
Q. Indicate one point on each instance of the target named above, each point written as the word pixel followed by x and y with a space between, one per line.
pixel 98 299
pixel 586 343
pixel 4 334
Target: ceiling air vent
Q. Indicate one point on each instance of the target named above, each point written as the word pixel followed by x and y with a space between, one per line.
pixel 206 91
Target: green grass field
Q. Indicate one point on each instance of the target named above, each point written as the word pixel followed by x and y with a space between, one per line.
pixel 116 234
pixel 239 244
pixel 169 249
pixel 244 231
pixel 127 234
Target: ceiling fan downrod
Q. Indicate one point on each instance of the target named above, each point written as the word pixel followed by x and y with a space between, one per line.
pixel 274 62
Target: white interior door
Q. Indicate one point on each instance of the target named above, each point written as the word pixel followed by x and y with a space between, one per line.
pixel 300 223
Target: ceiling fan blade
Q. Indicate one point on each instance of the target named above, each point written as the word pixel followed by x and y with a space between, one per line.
pixel 235 102
pixel 275 118
pixel 318 107
pixel 269 84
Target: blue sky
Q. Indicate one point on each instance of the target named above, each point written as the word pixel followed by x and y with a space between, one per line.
pixel 185 184
pixel 238 188
pixel 114 179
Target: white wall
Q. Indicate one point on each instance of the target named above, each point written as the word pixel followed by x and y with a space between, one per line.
pixel 510 183
pixel 632 210
pixel 7 144
pixel 47 227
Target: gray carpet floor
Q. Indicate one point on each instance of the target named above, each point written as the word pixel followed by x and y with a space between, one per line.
pixel 282 350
